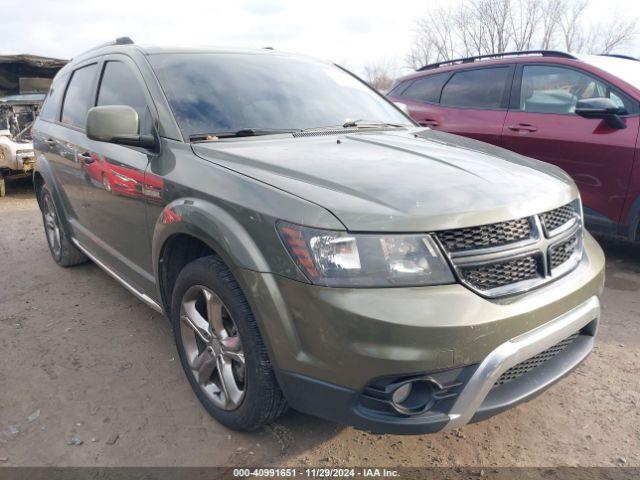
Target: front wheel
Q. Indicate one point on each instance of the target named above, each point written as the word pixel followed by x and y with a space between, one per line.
pixel 221 349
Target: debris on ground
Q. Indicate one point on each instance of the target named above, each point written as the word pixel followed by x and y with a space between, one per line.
pixel 75 441
pixel 11 431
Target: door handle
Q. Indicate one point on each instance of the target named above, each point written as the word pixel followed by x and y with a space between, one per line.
pixel 522 127
pixel 50 141
pixel 428 123
pixel 86 157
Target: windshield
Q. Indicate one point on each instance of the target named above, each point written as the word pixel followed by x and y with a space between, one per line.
pixel 222 92
pixel 626 70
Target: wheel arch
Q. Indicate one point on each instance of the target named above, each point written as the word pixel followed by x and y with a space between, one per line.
pixel 188 229
pixel 633 221
pixel 43 175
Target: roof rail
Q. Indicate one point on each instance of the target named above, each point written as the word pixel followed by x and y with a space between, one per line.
pixel 617 55
pixel 117 41
pixel 457 61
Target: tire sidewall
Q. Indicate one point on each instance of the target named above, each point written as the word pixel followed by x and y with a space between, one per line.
pixel 46 193
pixel 197 273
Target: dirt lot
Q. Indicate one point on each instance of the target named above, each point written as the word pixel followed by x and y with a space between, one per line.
pixel 83 362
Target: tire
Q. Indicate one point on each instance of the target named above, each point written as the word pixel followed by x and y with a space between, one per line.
pixel 64 252
pixel 207 285
pixel 3 186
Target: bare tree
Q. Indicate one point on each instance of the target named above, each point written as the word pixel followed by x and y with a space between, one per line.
pixel 548 22
pixel 380 74
pixel 494 14
pixel 421 53
pixel 525 19
pixel 607 37
pixel 573 29
pixel 476 27
pixel 471 31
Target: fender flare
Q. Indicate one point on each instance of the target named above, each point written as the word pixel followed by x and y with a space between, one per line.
pixel 43 168
pixel 213 226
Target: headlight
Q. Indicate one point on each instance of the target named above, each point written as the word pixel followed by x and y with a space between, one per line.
pixel 341 259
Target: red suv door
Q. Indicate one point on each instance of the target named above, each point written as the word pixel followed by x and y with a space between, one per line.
pixel 541 123
pixel 471 102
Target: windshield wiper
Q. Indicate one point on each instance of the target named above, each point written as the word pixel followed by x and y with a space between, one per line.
pixel 244 132
pixel 370 123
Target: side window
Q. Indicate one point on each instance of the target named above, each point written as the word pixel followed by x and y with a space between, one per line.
pixel 483 88
pixel 120 86
pixel 550 89
pixel 79 95
pixel 397 89
pixel 51 105
pixel 426 89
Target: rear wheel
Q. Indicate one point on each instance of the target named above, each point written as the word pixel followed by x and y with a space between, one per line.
pixel 62 250
pixel 220 347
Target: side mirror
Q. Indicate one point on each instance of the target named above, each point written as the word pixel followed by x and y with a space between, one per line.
pixel 117 124
pixel 602 108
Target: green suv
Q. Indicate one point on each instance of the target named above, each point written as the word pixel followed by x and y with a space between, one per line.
pixel 312 246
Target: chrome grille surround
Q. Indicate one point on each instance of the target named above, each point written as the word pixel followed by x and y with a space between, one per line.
pixel 502 263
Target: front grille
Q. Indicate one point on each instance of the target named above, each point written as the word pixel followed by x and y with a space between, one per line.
pixel 485 236
pixel 562 252
pixel 494 275
pixel 511 257
pixel 557 217
pixel 525 367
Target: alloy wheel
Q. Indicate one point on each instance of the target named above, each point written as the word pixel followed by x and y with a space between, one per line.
pixel 51 225
pixel 212 347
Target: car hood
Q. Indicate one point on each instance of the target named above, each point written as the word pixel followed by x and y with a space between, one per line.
pixel 410 180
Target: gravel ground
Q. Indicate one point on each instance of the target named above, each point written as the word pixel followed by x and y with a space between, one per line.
pixel 89 376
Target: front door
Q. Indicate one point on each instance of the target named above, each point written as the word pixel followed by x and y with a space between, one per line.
pixel 542 124
pixel 115 180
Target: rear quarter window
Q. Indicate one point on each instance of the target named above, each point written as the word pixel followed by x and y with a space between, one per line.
pixel 426 89
pixel 79 96
pixel 51 105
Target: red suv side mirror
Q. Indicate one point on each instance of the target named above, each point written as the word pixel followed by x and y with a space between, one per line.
pixel 603 108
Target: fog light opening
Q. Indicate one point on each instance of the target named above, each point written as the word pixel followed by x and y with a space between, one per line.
pixel 412 398
pixel 402 393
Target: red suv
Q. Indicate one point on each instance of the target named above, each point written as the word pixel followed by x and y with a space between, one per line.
pixel 580 112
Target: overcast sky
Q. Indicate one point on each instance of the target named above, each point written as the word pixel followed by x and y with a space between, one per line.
pixel 350 32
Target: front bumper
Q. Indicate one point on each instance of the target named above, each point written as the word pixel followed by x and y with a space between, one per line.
pixel 329 344
pixel 473 392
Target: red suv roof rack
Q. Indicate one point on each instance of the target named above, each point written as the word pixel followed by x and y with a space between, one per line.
pixel 543 53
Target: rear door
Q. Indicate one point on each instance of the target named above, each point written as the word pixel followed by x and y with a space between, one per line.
pixel 541 123
pixel 422 96
pixel 115 191
pixel 59 130
pixel 471 102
